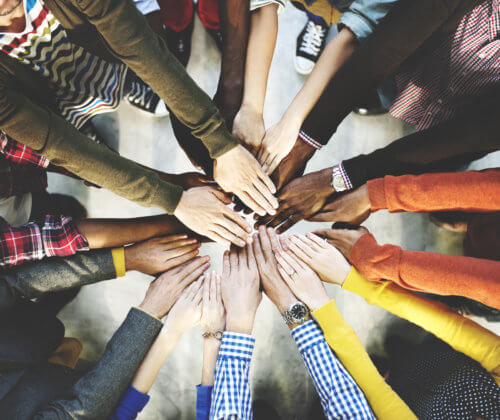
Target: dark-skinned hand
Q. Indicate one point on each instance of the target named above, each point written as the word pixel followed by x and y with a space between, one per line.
pixel 342 238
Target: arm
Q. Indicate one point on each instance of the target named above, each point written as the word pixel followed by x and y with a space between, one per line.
pixel 340 396
pixel 461 333
pixel 249 123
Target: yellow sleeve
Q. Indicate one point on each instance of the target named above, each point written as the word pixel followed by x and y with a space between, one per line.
pixel 385 403
pixel 461 333
pixel 118 255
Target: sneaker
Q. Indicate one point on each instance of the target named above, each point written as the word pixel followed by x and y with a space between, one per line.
pixel 141 96
pixel 179 43
pixel 310 44
pixel 91 131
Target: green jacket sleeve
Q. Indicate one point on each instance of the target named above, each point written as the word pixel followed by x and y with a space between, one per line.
pixel 129 36
pixel 61 143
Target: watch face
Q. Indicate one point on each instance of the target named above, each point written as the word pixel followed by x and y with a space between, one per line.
pixel 338 183
pixel 298 311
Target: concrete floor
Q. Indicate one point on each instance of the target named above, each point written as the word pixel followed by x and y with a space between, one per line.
pixel 278 374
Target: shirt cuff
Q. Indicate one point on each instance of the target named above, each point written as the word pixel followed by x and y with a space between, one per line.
pixel 118 255
pixel 237 345
pixel 359 25
pixel 309 140
pixel 61 237
pixel 356 283
pixel 134 400
pixel 376 194
pixel 307 335
pixel 147 313
pixel 257 4
pixel 203 396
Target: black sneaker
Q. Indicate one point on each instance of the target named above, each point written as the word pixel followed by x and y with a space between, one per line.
pixel 310 44
pixel 216 35
pixel 179 43
pixel 141 96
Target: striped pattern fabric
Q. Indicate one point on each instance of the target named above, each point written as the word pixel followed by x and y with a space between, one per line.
pixel 231 398
pixel 84 85
pixel 340 396
pixel 464 66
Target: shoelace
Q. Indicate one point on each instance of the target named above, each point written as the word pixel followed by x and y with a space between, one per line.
pixel 141 94
pixel 312 39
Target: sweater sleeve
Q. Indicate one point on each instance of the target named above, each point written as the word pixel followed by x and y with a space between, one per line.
pixel 475 278
pixel 461 333
pixel 130 405
pixel 384 402
pixel 129 36
pixel 465 191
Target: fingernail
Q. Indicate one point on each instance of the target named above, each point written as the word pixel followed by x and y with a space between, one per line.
pixel 273 212
pixel 248 229
pixel 241 243
pixel 249 240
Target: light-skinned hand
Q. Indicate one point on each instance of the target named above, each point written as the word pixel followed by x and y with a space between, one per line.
pixel 160 254
pixel 265 244
pixel 240 288
pixel 341 238
pixel 214 314
pixel 166 289
pixel 238 172
pixel 248 127
pixel 186 311
pixel 302 280
pixel 320 256
pixel 205 210
pixel 352 207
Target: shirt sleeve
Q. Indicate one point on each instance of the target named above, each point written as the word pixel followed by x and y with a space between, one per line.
pixel 384 402
pixel 58 237
pixel 20 154
pixel 429 272
pixel 474 191
pixel 257 4
pixel 461 333
pixel 203 399
pixel 231 398
pixel 131 404
pixel 340 396
pixel 364 15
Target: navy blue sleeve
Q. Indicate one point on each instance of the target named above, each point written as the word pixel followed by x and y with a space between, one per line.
pixel 203 399
pixel 131 404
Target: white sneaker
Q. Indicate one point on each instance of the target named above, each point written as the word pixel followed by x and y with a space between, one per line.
pixel 141 96
pixel 310 44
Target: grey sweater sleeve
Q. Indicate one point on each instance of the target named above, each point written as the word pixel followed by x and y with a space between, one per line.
pixel 97 393
pixel 55 274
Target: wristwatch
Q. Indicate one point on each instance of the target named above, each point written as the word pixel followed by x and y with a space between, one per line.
pixel 297 313
pixel 338 182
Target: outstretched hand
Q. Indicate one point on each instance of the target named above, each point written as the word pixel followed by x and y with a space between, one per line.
pixel 342 238
pixel 214 314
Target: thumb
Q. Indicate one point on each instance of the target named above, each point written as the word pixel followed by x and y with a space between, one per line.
pixel 225 198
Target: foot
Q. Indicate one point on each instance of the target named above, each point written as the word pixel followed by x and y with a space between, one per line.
pixel 179 43
pixel 310 44
pixel 142 97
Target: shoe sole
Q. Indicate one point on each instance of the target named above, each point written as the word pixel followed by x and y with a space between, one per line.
pixel 299 70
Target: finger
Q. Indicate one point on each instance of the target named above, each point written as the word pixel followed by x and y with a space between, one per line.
pixel 222 196
pixel 266 192
pixel 261 200
pixel 172 238
pixel 218 287
pixel 226 265
pixel 176 252
pixel 235 227
pixel 304 247
pixel 226 233
pixel 273 238
pixel 298 252
pixel 313 245
pixel 175 262
pixel 323 233
pixel 267 181
pixel 316 239
pixel 258 252
pixel 195 287
pixel 251 257
pixel 190 266
pixel 249 201
pixel 214 236
pixel 198 297
pixel 266 164
pixel 243 257
pixel 213 287
pixel 282 217
pixel 265 243
pixel 233 259
pixel 292 220
pixel 195 274
pixel 178 243
pixel 262 155
pixel 294 262
pixel 274 164
pixel 328 216
pixel 285 276
pixel 284 263
pixel 206 292
pixel 236 218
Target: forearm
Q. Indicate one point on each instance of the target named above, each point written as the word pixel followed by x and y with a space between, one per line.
pixel 106 233
pixel 211 348
pixel 261 43
pixel 338 50
pixel 235 18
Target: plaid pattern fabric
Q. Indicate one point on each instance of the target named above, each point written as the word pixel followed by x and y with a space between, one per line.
pixel 309 140
pixel 231 397
pixel 340 396
pixel 19 153
pixel 58 237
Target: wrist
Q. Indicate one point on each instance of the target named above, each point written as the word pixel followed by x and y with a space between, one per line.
pixel 325 181
pixel 250 106
pixel 317 302
pixel 170 331
pixel 130 258
pixel 242 324
pixel 293 117
pixel 284 301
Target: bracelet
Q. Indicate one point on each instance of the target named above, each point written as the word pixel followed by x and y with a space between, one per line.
pixel 217 335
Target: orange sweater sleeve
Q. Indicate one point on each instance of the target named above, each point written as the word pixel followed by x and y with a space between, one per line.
pixel 466 191
pixel 475 278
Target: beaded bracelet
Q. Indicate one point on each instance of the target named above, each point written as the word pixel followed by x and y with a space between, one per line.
pixel 217 335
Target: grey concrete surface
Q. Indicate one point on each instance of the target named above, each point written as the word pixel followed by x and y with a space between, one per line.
pixel 278 374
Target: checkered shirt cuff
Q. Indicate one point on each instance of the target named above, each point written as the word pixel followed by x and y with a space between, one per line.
pixel 309 140
pixel 306 335
pixel 61 237
pixel 237 345
pixel 345 177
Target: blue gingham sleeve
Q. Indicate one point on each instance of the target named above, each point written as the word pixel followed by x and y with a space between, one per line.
pixel 340 396
pixel 231 397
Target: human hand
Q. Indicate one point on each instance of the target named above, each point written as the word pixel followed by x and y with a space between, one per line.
pixel 302 280
pixel 160 254
pixel 189 180
pixel 205 210
pixel 214 314
pixel 249 127
pixel 323 258
pixel 277 143
pixel 264 246
pixel 166 289
pixel 352 207
pixel 293 165
pixel 300 199
pixel 240 289
pixel 186 311
pixel 342 239
pixel 239 173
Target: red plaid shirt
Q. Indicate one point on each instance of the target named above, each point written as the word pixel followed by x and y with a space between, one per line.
pixel 463 67
pixel 58 237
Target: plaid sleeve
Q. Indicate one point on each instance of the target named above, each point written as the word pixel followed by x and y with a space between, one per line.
pixel 58 237
pixel 231 397
pixel 340 396
pixel 19 153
